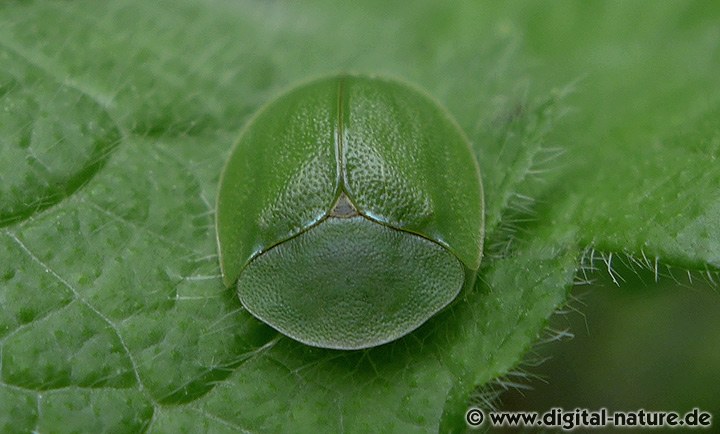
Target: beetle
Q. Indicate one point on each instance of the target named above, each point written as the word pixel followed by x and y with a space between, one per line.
pixel 349 212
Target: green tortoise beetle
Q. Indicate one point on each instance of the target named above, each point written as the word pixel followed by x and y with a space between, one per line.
pixel 349 212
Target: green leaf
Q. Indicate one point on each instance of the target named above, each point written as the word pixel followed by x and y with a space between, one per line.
pixel 644 146
pixel 113 316
pixel 54 136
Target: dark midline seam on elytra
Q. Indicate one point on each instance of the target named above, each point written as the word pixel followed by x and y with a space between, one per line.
pixel 342 175
pixel 339 145
pixel 340 167
pixel 340 151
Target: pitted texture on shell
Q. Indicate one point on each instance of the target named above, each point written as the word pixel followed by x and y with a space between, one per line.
pixel 350 212
pixel 397 155
pixel 281 176
pixel 350 283
pixel 408 165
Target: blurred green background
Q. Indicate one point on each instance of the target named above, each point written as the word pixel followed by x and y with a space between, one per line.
pixel 638 345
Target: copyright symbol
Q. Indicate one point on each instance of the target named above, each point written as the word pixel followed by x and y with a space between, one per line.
pixel 474 417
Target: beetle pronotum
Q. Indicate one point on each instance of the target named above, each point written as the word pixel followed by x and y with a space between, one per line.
pixel 349 212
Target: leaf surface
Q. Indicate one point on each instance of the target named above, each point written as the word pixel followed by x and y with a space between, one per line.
pixel 112 307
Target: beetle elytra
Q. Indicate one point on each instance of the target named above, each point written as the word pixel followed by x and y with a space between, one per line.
pixel 349 212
